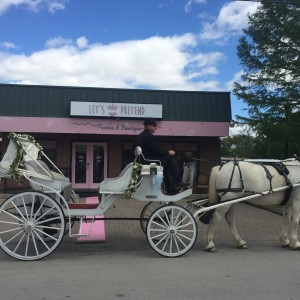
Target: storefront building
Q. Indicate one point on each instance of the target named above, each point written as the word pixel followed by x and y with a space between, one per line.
pixel 88 132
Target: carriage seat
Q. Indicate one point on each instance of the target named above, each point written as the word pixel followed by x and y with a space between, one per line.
pixel 51 179
pixel 118 184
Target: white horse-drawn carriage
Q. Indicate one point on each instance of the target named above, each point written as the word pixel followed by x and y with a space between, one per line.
pixel 34 222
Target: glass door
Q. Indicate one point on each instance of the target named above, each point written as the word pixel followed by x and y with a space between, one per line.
pixel 89 165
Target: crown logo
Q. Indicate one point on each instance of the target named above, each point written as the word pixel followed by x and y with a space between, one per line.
pixel 112 107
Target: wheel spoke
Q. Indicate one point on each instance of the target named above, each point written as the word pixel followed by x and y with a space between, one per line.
pixel 38 211
pixel 15 217
pixel 44 214
pixel 47 220
pixel 165 244
pixel 180 240
pixel 167 218
pixel 14 236
pixel 46 234
pixel 19 243
pixel 41 240
pixel 163 234
pixel 11 223
pixel 34 242
pixel 177 246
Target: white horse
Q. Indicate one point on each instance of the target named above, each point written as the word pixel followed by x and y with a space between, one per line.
pixel 237 179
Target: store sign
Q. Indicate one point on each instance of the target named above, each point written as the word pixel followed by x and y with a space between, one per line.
pixel 115 110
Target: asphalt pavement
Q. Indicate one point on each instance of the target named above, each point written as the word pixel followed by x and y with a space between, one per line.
pixel 126 267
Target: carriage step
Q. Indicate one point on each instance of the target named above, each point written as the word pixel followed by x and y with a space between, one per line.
pixel 91 232
pixel 84 205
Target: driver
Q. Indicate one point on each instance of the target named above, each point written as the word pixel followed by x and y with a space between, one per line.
pixel 147 141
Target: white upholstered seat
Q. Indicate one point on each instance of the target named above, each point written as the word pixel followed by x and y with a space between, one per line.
pixel 117 184
pixel 50 179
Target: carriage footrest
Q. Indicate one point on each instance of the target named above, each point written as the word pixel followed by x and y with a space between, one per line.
pixel 91 232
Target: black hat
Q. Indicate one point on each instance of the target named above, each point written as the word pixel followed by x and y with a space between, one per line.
pixel 149 121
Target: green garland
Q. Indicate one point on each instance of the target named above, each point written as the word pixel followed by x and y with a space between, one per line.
pixel 16 139
pixel 135 175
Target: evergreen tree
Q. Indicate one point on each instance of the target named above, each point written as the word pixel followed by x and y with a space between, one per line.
pixel 269 52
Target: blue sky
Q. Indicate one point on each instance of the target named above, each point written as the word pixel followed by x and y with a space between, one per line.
pixel 163 44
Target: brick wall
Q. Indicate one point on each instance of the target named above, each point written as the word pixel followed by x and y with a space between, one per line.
pixel 114 158
pixel 208 155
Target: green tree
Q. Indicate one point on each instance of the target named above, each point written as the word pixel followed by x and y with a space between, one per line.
pixel 238 146
pixel 269 52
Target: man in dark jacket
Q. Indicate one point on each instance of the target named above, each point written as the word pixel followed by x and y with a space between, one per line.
pixel 147 141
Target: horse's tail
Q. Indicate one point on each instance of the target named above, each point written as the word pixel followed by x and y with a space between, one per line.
pixel 212 196
pixel 212 190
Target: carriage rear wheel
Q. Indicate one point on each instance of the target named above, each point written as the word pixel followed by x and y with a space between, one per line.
pixel 147 211
pixel 171 231
pixel 32 225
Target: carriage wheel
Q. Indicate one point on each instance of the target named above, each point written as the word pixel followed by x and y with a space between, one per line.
pixel 171 231
pixel 32 225
pixel 147 211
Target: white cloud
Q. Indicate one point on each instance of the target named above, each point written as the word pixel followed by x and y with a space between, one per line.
pixel 236 77
pixel 188 5
pixel 58 42
pixel 82 42
pixel 230 21
pixel 34 5
pixel 54 6
pixel 7 45
pixel 241 129
pixel 157 62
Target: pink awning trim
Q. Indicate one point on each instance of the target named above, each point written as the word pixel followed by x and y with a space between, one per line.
pixel 110 126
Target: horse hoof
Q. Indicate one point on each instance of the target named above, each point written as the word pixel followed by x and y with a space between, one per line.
pixel 243 246
pixel 296 249
pixel 211 250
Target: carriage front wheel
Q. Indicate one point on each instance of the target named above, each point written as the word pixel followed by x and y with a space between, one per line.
pixel 171 231
pixel 32 225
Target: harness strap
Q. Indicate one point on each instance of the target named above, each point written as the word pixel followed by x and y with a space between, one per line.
pixel 229 188
pixel 287 191
pixel 281 169
pixel 269 177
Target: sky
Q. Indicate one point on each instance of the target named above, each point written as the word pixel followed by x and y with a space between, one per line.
pixel 143 44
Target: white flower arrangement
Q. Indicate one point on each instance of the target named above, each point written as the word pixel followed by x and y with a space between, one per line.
pixel 16 139
pixel 135 175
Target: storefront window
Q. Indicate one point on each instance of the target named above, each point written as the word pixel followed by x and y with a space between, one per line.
pixel 81 154
pixel 98 163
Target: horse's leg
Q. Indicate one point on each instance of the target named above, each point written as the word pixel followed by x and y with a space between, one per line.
pixel 215 219
pixel 293 237
pixel 284 239
pixel 229 216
